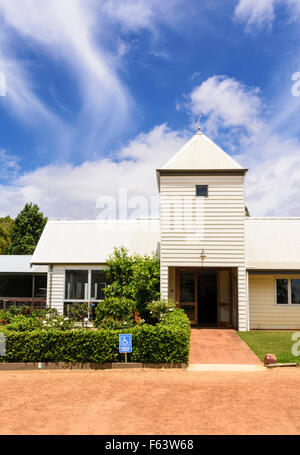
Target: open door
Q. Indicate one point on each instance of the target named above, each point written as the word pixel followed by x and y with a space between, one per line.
pixel 186 293
pixel 225 306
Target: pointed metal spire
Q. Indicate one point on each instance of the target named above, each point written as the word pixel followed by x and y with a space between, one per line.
pixel 198 124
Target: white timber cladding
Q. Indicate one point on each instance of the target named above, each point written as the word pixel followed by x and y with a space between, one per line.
pixel 215 224
pixel 56 283
pixel 55 291
pixel 264 312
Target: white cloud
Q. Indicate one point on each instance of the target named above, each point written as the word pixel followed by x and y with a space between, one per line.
pixel 273 182
pixel 227 104
pixel 68 191
pixel 133 14
pixel 255 12
pixel 72 191
pixel 140 14
pixel 9 166
pixel 262 12
pixel 235 116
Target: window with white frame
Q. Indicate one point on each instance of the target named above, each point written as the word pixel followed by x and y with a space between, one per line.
pixel 288 291
pixel 85 285
pixel 98 284
pixel 76 285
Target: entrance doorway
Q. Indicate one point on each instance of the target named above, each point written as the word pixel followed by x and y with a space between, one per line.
pixel 207 295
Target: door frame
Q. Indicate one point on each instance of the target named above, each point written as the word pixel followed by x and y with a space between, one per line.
pixel 219 304
pixel 195 271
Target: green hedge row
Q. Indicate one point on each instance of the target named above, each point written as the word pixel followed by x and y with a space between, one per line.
pixel 167 342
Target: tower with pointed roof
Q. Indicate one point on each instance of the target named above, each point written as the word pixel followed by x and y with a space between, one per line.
pixel 203 234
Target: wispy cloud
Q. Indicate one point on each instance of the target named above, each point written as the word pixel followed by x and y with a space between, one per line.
pixel 263 12
pixel 19 93
pixel 77 37
pixel 65 32
pixel 134 15
pixel 9 166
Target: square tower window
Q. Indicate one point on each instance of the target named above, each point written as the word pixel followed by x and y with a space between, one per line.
pixel 202 190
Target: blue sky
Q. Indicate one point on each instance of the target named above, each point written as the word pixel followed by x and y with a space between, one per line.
pixel 101 93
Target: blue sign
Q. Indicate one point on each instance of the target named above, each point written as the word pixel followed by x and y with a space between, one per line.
pixel 125 344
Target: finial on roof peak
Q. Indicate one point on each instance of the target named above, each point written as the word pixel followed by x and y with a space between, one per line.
pixel 198 124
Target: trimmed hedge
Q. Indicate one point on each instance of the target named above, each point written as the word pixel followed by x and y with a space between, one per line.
pixel 167 342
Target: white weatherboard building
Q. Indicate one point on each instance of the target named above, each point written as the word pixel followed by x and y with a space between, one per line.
pixel 223 268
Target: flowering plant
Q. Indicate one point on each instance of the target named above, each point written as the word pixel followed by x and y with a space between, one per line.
pixel 57 322
pixel 158 308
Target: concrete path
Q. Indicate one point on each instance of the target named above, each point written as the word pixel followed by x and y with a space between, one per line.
pixel 220 346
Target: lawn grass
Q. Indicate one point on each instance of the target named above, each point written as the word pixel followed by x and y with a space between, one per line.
pixel 264 342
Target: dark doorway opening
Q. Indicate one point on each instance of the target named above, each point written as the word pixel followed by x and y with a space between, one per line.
pixel 207 297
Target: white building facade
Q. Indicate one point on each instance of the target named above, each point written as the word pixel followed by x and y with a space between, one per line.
pixel 223 268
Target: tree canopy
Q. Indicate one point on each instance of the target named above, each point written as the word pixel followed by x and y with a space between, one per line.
pixel 27 229
pixel 6 225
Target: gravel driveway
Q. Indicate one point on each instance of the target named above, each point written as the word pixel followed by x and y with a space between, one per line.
pixel 154 402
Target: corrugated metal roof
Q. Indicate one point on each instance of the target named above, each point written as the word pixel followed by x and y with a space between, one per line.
pixel 201 153
pixel 272 243
pixel 19 264
pixel 92 241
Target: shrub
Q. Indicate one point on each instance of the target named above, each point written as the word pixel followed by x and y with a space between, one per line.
pixel 36 319
pixel 113 311
pixel 158 308
pixel 111 323
pixel 120 274
pixel 57 322
pixel 78 312
pixel 146 277
pixel 167 342
pixel 176 317
pixel 43 312
pixel 5 317
pixel 54 345
pixel 16 310
pixel 22 323
pixel 26 310
pixel 133 277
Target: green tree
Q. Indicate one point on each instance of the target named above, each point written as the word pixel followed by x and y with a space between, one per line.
pixel 6 225
pixel 133 277
pixel 27 230
pixel 247 213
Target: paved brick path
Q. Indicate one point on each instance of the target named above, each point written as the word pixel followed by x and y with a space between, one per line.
pixel 220 346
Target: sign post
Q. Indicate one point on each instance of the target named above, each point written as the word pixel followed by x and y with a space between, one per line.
pixel 125 344
pixel 2 345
